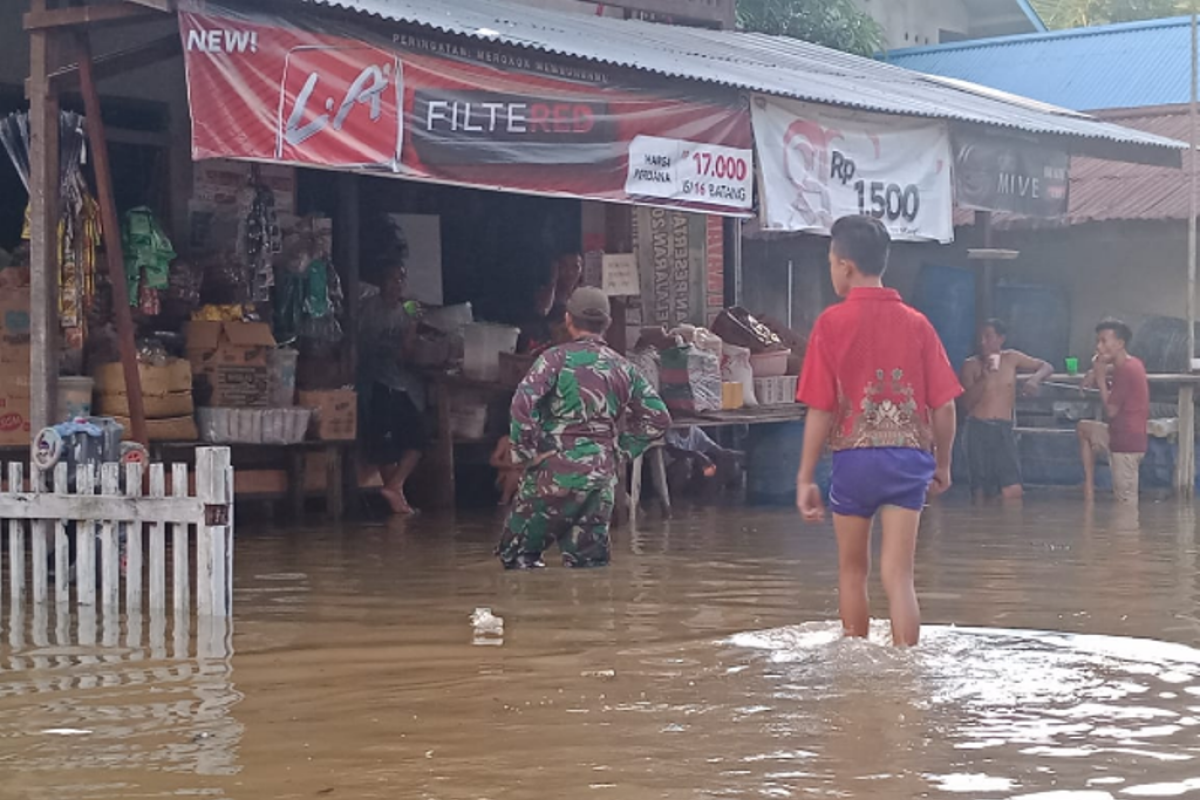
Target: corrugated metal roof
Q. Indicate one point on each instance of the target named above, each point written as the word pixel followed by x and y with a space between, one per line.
pixel 1109 191
pixel 1131 65
pixel 754 62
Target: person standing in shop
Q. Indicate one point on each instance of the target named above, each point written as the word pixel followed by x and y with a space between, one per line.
pixel 393 393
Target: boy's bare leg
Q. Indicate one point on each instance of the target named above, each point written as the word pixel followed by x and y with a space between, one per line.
pixel 854 567
pixel 1012 493
pixel 1087 454
pixel 896 564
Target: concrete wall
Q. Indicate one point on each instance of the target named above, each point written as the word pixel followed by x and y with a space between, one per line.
pixel 912 23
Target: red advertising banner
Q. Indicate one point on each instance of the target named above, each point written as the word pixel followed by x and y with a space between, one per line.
pixel 433 109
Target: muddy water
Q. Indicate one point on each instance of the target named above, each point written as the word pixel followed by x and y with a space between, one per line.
pixel 702 664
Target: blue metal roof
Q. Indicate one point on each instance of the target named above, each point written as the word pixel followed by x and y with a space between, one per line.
pixel 1131 65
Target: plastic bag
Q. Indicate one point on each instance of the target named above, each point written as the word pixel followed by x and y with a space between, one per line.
pixel 649 364
pixel 736 368
pixel 691 380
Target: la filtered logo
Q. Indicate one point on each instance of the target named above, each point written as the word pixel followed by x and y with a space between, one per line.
pixel 222 40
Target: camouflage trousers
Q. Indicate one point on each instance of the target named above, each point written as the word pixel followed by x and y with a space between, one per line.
pixel 566 509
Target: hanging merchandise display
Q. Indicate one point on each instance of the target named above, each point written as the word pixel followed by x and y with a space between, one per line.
pixel 308 293
pixel 148 257
pixel 79 222
pixel 261 243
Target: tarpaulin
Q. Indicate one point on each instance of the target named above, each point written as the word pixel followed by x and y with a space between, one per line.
pixel 438 109
pixel 819 164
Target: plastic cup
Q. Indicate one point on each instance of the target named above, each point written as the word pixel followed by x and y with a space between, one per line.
pixel 1072 366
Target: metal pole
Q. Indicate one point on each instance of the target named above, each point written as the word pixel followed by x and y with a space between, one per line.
pixel 791 292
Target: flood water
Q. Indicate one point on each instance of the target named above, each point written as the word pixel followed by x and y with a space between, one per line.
pixel 1058 662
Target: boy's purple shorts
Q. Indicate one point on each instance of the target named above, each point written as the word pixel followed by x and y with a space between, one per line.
pixel 867 479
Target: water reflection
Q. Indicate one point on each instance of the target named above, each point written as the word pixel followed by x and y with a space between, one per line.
pixel 704 664
pixel 86 701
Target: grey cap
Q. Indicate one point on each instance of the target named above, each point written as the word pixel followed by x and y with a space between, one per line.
pixel 590 303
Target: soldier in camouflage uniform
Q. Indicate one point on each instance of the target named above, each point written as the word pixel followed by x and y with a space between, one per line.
pixel 578 411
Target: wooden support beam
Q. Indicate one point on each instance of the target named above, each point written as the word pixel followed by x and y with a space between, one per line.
pixel 117 63
pixel 43 227
pixel 111 225
pixel 89 15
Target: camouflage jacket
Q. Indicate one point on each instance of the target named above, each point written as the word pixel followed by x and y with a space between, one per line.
pixel 583 402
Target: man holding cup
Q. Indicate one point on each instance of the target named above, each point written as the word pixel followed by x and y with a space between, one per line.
pixel 990 381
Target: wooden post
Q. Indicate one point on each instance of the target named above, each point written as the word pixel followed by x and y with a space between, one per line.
pixel 181 579
pixel 158 545
pixel 43 226
pixel 110 556
pixel 985 291
pixel 16 543
pixel 214 545
pixel 112 240
pixel 85 542
pixel 1185 462
pixel 134 556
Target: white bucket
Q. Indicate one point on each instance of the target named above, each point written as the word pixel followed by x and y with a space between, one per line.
pixel 74 398
pixel 482 346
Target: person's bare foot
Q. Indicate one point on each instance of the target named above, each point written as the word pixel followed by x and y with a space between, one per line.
pixel 397 501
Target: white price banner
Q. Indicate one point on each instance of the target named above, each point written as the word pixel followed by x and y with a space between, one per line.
pixel 674 169
pixel 819 165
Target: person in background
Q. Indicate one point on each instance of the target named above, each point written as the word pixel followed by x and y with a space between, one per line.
pixel 990 383
pixel 394 394
pixel 546 326
pixel 880 391
pixel 1125 395
pixel 508 476
pixel 578 411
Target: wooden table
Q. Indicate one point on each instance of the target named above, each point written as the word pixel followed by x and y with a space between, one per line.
pixel 760 415
pixel 444 387
pixel 1185 389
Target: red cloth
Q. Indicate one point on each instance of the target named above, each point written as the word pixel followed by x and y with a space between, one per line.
pixel 1131 395
pixel 880 367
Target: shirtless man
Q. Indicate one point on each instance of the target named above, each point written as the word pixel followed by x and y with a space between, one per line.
pixel 990 381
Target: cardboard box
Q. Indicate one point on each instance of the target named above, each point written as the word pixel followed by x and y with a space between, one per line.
pixel 230 363
pixel 778 391
pixel 15 354
pixel 336 417
pixel 172 377
pixel 14 419
pixel 14 316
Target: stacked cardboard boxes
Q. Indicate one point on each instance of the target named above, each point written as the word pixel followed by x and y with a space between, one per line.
pixel 166 396
pixel 230 363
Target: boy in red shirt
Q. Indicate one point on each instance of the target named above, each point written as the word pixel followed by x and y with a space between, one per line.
pixel 880 392
pixel 1125 393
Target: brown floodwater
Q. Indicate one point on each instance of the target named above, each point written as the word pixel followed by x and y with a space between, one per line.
pixel 1057 662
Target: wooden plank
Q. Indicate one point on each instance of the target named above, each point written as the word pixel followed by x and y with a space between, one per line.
pixel 16 544
pixel 116 509
pixel 213 465
pixel 134 572
pixel 113 251
pixel 158 546
pixel 181 585
pixel 89 15
pixel 110 552
pixel 39 536
pixel 119 62
pixel 62 547
pixel 85 538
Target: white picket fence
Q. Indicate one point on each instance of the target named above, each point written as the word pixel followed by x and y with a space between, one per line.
pixel 36 517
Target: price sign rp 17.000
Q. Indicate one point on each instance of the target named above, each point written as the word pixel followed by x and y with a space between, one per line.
pixel 818 166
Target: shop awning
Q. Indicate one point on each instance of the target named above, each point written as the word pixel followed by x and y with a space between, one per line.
pixel 771 65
